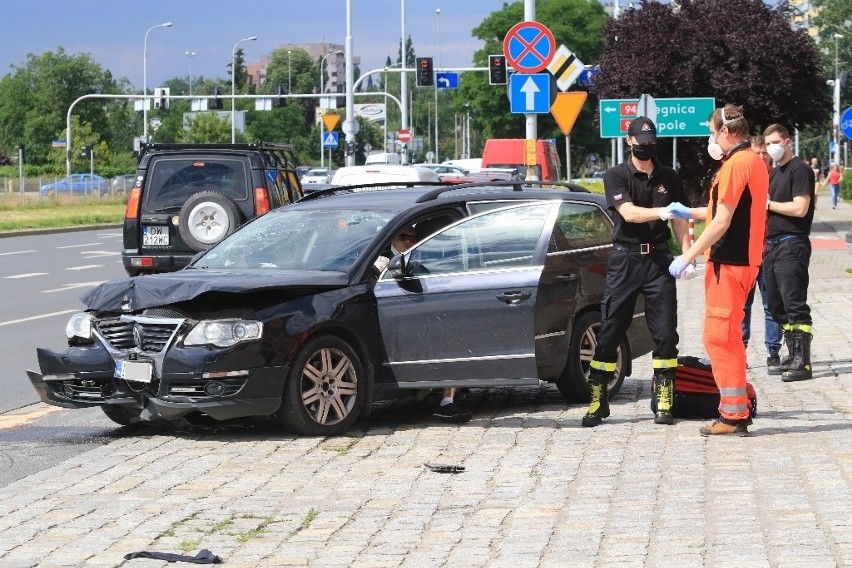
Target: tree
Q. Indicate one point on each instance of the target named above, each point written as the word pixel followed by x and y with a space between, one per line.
pixel 207 128
pixel 712 48
pixel 35 97
pixel 578 24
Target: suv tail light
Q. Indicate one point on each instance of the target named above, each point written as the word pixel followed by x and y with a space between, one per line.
pixel 132 211
pixel 261 201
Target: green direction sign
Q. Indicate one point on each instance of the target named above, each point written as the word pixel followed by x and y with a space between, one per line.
pixel 676 117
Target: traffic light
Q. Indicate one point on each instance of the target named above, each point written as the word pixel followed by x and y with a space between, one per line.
pixel 496 70
pixel 278 101
pixel 161 98
pixel 216 102
pixel 21 152
pixel 425 72
pixel 87 152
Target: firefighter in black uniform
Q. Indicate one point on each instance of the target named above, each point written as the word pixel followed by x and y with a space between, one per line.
pixel 643 195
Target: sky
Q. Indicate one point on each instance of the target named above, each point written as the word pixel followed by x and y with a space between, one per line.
pixel 112 32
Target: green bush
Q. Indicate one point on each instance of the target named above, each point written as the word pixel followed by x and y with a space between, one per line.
pixel 846 184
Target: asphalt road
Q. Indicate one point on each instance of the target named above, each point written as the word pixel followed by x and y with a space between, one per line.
pixel 41 279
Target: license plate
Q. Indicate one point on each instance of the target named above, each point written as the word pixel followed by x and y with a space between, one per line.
pixel 155 235
pixel 138 371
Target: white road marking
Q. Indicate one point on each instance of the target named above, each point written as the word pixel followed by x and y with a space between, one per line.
pixel 29 274
pixel 42 316
pixel 16 252
pixel 95 253
pixel 84 267
pixel 79 246
pixel 73 286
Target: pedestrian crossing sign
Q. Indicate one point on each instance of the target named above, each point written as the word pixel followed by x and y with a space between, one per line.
pixel 330 139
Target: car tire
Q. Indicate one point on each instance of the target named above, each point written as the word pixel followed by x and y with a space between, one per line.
pixel 121 415
pixel 573 383
pixel 325 389
pixel 206 218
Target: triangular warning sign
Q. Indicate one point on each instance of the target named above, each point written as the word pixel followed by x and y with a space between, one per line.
pixel 330 139
pixel 330 120
pixel 566 108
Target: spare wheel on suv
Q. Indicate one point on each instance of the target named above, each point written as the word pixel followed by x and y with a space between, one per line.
pixel 206 218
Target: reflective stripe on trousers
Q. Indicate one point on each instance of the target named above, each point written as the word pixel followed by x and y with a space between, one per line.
pixel 726 288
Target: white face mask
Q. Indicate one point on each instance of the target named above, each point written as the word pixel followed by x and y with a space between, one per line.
pixel 775 151
pixel 714 149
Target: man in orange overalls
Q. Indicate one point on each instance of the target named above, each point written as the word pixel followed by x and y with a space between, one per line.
pixel 734 233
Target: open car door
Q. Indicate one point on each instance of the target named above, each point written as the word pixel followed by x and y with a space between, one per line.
pixel 460 310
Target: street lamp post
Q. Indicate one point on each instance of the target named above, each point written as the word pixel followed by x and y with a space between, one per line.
pixel 289 72
pixel 836 102
pixel 190 55
pixel 437 153
pixel 234 87
pixel 322 92
pixel 145 78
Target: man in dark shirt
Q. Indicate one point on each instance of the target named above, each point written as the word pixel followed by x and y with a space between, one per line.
pixel 643 195
pixel 790 212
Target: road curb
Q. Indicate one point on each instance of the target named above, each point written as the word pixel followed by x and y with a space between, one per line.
pixel 29 232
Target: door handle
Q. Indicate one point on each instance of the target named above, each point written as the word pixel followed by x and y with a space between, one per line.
pixel 566 278
pixel 513 298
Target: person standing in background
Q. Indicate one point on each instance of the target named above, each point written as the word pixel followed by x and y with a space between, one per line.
pixel 833 179
pixel 771 328
pixel 790 213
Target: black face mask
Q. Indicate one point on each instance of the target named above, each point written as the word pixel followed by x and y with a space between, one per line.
pixel 644 152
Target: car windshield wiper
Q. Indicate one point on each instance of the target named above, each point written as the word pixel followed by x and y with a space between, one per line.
pixel 168 209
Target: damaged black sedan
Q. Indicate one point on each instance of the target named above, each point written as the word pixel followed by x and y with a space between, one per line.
pixel 306 313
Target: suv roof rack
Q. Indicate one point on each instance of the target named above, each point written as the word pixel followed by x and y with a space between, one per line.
pixel 515 185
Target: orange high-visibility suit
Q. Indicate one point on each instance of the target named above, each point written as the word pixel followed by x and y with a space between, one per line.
pixel 742 184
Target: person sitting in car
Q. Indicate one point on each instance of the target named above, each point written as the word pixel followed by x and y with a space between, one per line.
pixel 447 410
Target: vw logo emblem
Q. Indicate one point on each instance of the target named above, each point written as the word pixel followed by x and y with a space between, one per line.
pixel 137 336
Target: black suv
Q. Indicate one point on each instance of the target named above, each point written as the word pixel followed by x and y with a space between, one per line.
pixel 188 197
pixel 307 314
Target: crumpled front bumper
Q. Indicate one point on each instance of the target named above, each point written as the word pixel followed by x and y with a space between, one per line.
pixel 83 377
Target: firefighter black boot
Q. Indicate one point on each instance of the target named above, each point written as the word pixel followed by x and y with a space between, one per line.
pixel 598 399
pixel 800 366
pixel 778 368
pixel 664 395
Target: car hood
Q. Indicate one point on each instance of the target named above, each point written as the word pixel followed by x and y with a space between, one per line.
pixel 140 292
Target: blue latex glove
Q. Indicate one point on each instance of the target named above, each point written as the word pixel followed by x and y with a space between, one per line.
pixel 678 211
pixel 678 266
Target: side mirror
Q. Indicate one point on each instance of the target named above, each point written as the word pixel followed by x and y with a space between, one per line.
pixel 397 266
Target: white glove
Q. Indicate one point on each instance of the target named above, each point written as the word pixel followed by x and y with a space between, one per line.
pixel 689 273
pixel 665 213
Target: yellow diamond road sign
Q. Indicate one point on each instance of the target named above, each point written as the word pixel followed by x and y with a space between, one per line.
pixel 330 121
pixel 565 67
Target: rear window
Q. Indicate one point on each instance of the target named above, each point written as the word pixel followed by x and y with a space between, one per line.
pixel 171 181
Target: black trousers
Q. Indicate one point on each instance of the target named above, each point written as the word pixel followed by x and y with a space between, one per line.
pixel 785 270
pixel 628 275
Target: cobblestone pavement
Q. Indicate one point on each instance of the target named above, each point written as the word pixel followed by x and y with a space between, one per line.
pixel 538 490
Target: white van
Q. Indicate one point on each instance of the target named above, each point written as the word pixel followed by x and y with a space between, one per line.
pixel 382 173
pixel 383 158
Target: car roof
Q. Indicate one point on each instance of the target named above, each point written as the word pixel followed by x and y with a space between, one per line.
pixel 427 195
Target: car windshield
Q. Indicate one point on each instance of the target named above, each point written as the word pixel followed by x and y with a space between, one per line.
pixel 298 240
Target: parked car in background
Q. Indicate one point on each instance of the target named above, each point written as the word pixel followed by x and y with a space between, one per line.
pixel 444 171
pixel 317 175
pixel 191 196
pixel 122 184
pixel 471 165
pixel 305 315
pixel 382 173
pixel 302 170
pixel 77 184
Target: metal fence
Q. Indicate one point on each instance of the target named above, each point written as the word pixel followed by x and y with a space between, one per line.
pixel 31 188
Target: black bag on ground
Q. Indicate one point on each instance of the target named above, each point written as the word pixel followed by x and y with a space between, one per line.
pixel 695 392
